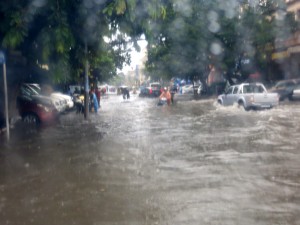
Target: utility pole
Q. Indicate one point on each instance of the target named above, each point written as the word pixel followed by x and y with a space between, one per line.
pixel 86 84
pixel 2 61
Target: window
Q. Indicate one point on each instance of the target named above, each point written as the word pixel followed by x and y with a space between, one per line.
pixel 229 91
pixel 235 90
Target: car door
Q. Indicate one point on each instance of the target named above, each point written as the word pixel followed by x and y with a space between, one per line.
pixel 228 97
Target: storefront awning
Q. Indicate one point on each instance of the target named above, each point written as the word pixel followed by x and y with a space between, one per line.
pixel 280 55
pixel 294 49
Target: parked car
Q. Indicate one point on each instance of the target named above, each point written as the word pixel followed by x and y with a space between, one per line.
pixel 154 89
pixel 249 96
pixel 192 89
pixel 68 99
pixel 285 88
pixel 187 89
pixel 144 91
pixel 296 92
pixel 75 89
pixel 35 108
pixel 60 100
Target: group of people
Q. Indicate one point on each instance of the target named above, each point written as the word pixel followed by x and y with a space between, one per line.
pixel 94 100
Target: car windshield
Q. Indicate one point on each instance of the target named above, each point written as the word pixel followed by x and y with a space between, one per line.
pixel 157 86
pixel 229 91
pixel 35 87
pixel 252 89
pixel 28 90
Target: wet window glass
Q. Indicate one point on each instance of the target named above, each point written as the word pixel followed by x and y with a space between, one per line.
pixel 235 90
pixel 149 112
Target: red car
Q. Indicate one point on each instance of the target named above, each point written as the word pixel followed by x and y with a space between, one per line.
pixel 34 108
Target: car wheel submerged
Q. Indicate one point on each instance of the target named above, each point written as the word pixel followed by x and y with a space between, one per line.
pixel 242 104
pixel 31 118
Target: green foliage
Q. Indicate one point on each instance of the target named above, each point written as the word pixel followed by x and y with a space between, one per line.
pixel 184 36
pixel 195 34
pixel 18 32
pixel 55 33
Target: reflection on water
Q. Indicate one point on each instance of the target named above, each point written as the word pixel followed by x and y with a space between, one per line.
pixel 137 163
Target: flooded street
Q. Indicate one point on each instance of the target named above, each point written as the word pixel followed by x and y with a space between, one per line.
pixel 139 164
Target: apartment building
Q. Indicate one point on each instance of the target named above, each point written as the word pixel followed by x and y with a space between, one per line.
pixel 294 6
pixel 287 52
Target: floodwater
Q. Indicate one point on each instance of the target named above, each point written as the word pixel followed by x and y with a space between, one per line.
pixel 139 164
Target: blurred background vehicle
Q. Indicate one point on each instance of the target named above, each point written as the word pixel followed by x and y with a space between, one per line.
pixel 192 89
pixel 144 91
pixel 35 108
pixel 155 89
pixel 61 101
pixel 152 90
pixel 296 92
pixel 187 89
pixel 285 88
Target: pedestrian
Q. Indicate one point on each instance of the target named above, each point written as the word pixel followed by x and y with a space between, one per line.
pixel 98 95
pixel 125 93
pixel 173 91
pixel 93 101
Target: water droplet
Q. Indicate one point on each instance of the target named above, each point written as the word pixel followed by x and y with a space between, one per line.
pixel 39 3
pixel 216 48
pixel 214 27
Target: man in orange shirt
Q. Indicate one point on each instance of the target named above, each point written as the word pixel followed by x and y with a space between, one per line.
pixel 166 94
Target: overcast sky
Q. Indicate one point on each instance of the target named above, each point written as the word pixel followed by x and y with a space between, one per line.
pixel 136 57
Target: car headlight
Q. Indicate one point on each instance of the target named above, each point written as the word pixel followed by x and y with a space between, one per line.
pixel 43 107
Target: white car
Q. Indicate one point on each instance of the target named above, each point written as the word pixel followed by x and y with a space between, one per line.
pixel 187 89
pixel 190 89
pixel 250 96
pixel 68 99
pixel 59 102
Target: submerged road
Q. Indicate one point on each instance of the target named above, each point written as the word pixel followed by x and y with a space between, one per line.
pixel 138 164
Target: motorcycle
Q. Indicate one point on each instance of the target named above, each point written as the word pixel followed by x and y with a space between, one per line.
pixel 162 101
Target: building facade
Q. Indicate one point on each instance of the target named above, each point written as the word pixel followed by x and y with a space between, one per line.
pixel 287 52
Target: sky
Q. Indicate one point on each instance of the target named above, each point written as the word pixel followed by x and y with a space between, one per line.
pixel 136 57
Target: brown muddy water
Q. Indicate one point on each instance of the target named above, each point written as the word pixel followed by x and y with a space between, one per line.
pixel 139 164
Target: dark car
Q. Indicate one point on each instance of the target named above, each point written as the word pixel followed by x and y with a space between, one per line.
pixel 285 88
pixel 35 108
pixel 144 91
pixel 154 89
pixel 296 92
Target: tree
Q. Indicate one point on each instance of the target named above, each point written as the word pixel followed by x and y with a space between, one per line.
pixel 184 36
pixel 179 44
pixel 234 36
pixel 55 33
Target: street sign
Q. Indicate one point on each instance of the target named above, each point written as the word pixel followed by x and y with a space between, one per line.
pixel 2 57
pixel 2 61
